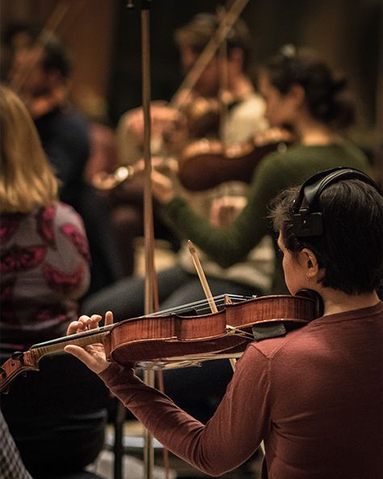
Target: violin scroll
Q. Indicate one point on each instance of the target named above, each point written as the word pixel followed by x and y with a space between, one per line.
pixel 19 363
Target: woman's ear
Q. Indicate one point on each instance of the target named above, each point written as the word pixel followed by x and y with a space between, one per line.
pixel 309 262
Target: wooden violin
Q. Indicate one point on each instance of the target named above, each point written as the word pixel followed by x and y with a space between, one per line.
pixel 207 163
pixel 163 338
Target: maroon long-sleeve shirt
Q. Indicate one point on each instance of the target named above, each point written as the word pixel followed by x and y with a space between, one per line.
pixel 315 398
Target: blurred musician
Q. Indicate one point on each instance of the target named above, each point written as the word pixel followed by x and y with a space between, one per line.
pixel 245 106
pixel 173 128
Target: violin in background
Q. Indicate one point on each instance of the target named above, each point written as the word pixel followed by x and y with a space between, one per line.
pixel 207 163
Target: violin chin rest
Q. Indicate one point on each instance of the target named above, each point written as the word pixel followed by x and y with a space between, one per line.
pixel 274 329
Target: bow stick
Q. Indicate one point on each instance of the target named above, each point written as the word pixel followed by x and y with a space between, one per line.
pixel 205 286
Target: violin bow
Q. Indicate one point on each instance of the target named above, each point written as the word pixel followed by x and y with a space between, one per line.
pixel 205 286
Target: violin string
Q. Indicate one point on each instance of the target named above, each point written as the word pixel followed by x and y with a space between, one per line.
pixel 201 304
pixel 187 307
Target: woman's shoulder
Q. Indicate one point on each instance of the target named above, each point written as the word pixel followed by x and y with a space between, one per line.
pixel 353 151
pixel 61 213
pixel 284 154
pixel 291 166
pixel 297 156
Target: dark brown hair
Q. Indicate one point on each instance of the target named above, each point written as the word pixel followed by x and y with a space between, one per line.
pixel 325 89
pixel 350 249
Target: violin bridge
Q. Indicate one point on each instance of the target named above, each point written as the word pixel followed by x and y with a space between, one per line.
pixel 227 299
pixel 238 332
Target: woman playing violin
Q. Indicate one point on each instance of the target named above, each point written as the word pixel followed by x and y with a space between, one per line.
pixel 180 284
pixel 314 396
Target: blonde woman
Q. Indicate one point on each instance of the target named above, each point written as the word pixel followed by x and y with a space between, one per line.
pixel 44 270
pixel 44 252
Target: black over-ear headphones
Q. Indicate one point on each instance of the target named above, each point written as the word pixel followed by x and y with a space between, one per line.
pixel 307 220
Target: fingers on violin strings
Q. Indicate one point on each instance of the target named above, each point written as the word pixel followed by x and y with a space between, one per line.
pixel 108 318
pixel 75 327
pixel 93 321
pixel 86 323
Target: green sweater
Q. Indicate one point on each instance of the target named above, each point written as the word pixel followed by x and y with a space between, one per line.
pixel 275 173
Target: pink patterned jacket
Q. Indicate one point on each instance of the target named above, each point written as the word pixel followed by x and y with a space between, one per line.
pixel 44 270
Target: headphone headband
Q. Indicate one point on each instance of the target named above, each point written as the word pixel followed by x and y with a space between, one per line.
pixel 307 222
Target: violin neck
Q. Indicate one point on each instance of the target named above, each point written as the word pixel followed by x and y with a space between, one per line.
pixel 58 345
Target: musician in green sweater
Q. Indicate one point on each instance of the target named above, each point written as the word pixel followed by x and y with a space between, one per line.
pixel 302 92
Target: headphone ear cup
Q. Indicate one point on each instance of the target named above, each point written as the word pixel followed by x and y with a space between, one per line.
pixel 307 221
pixel 308 224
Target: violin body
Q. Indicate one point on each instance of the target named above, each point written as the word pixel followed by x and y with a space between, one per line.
pixel 228 330
pixel 172 337
pixel 206 163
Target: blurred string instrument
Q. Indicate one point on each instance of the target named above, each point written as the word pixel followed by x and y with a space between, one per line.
pixel 207 163
pixel 220 164
pixel 201 114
